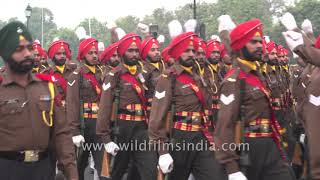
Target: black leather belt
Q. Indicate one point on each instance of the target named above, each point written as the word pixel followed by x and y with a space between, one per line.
pixel 131 112
pixel 27 156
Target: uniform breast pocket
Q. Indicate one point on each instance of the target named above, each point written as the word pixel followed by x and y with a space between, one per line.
pixel 127 87
pixel 11 107
pixel 185 91
pixel 257 94
pixel 44 105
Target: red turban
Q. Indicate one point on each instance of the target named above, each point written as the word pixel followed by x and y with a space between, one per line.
pixel 165 54
pixel 244 32
pixel 180 43
pixel 200 44
pixel 213 44
pixel 108 52
pixel 317 45
pixel 127 41
pixel 56 45
pixel 271 46
pixel 37 47
pixel 85 46
pixel 146 46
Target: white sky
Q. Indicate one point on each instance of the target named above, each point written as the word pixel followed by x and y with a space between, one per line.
pixel 68 13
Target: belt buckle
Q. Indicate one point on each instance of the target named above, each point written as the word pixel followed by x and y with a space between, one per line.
pixel 63 103
pixel 139 112
pixel 265 128
pixel 95 109
pixel 31 156
pixel 196 119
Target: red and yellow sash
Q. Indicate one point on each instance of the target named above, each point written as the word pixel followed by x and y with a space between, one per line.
pixel 94 82
pixel 187 80
pixel 137 87
pixel 254 81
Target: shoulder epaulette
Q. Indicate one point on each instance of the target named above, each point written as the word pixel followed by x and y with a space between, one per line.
pixel 114 71
pixel 45 77
pixel 232 75
pixel 77 70
pixel 72 66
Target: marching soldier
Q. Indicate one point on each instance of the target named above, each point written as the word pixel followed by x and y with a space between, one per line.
pixel 181 86
pixel 206 76
pixel 214 53
pixel 153 66
pixel 37 52
pixel 166 57
pixel 109 59
pixel 82 103
pixel 246 107
pixel 33 124
pixel 304 47
pixel 62 69
pixel 44 59
pixel 124 103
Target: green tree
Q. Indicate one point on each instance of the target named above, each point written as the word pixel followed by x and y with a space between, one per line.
pixel 307 9
pixel 161 17
pixel 128 23
pixel 49 26
pixel 69 36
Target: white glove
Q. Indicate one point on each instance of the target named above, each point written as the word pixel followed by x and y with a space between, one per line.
pixel 190 25
pixel 302 138
pixel 112 148
pixel 237 176
pixel 166 163
pixel 288 21
pixel 161 38
pixel 307 26
pixel 267 39
pixel 77 140
pixel 120 32
pixel 215 38
pixel 111 25
pixel 143 28
pixel 225 23
pixel 293 39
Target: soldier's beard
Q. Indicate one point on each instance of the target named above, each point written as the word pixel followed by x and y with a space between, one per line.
pixel 254 56
pixel 114 63
pixel 213 60
pixel 93 63
pixel 272 62
pixel 130 62
pixel 187 63
pixel 154 59
pixel 22 67
pixel 36 64
pixel 59 62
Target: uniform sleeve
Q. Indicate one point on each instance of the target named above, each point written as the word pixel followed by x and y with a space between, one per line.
pixel 311 116
pixel 73 103
pixel 103 129
pixel 161 103
pixel 225 127
pixel 63 142
pixel 309 51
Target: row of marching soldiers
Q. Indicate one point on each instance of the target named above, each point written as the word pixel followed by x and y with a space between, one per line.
pixel 234 89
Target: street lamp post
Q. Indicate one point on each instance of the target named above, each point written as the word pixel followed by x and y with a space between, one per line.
pixel 194 9
pixel 28 12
